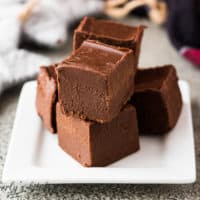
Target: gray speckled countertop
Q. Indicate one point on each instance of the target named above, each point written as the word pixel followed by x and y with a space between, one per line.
pixel 156 50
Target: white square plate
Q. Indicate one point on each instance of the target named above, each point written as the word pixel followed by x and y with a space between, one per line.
pixel 34 154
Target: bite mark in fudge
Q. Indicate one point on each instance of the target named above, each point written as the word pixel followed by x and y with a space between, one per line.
pixel 109 32
pixel 157 99
pixel 47 96
pixel 96 81
pixel 94 144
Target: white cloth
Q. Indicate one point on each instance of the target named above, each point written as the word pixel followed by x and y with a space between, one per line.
pixel 47 25
pixel 10 27
pixel 15 65
pixel 19 65
pixel 50 19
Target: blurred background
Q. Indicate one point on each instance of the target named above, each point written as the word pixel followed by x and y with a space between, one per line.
pixel 39 32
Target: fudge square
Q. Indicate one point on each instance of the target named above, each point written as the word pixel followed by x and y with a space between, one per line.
pixel 109 32
pixel 46 97
pixel 96 81
pixel 95 144
pixel 157 99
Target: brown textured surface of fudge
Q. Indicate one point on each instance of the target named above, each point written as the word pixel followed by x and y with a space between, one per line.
pixel 94 144
pixel 47 96
pixel 96 81
pixel 109 32
pixel 157 99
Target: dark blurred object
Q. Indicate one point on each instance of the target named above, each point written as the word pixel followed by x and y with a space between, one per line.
pixel 184 22
pixel 183 26
pixel 141 11
pixel 25 42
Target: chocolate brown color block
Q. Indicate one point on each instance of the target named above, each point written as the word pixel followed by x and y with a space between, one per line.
pixel 94 144
pixel 47 96
pixel 109 32
pixel 157 99
pixel 96 81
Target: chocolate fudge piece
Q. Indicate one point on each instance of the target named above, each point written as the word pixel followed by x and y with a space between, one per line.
pixel 96 81
pixel 157 99
pixel 110 33
pixel 94 144
pixel 47 96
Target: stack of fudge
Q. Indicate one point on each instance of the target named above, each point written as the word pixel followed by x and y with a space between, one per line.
pixel 97 99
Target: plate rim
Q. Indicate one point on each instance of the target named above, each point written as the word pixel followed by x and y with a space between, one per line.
pixel 21 174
